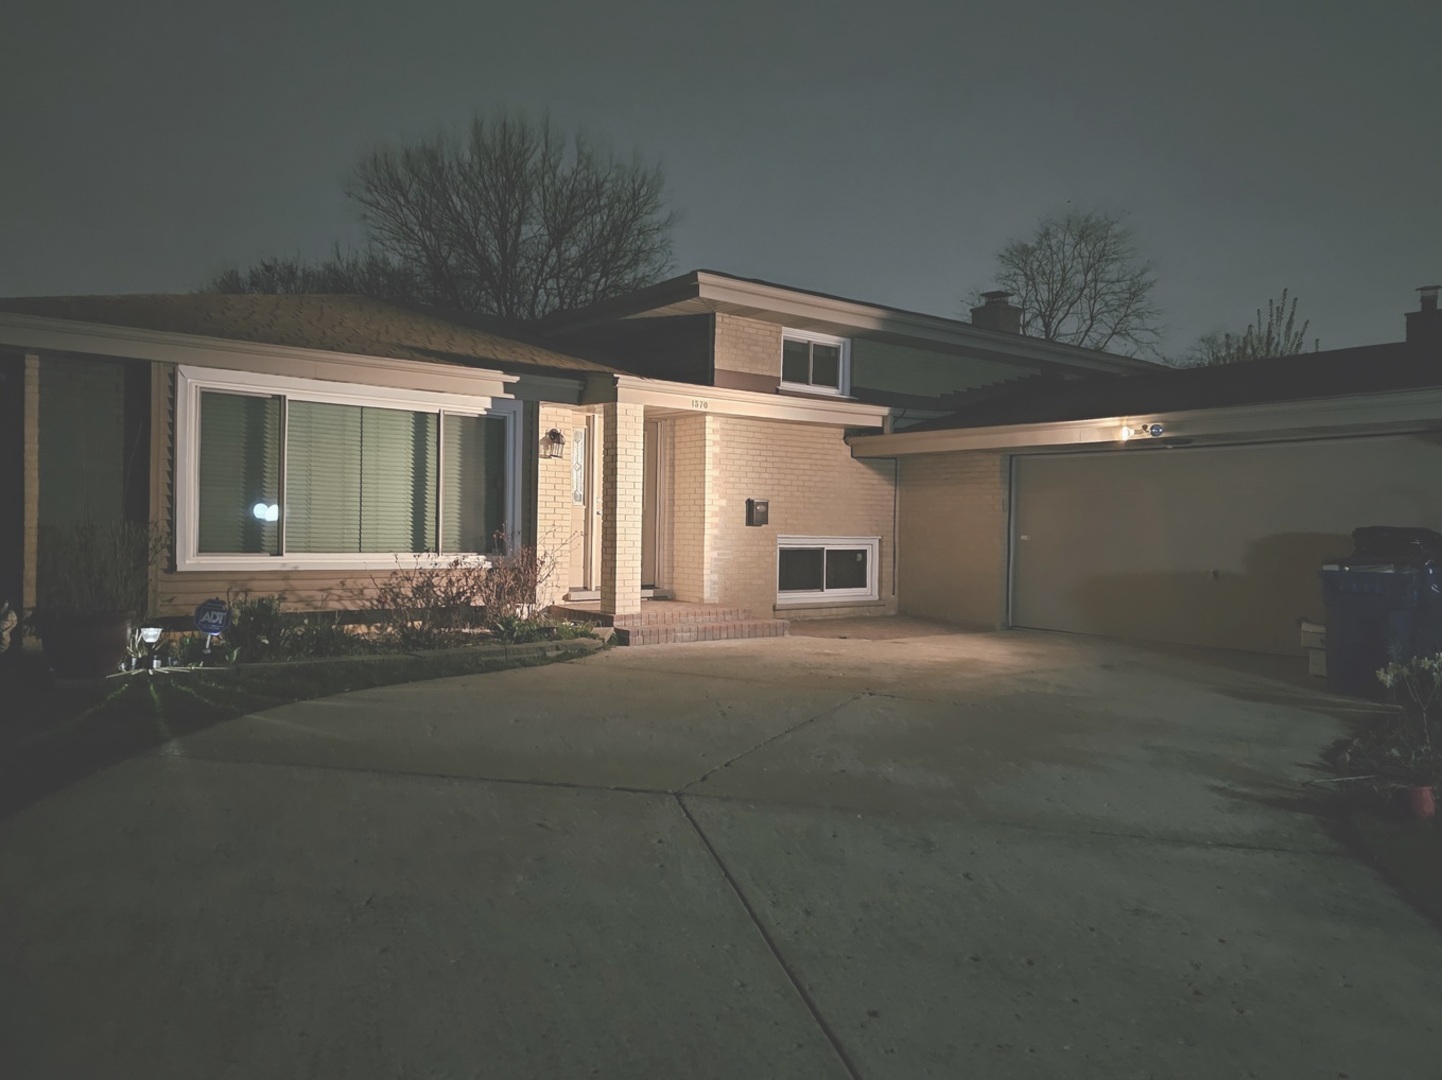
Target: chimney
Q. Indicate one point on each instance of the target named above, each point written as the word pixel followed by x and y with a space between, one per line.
pixel 1424 326
pixel 997 312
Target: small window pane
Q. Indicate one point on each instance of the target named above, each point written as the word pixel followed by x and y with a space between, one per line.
pixel 239 492
pixel 323 478
pixel 800 570
pixel 473 489
pixel 826 366
pixel 795 361
pixel 846 568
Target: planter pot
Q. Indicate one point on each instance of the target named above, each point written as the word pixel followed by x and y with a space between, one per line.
pixel 85 646
pixel 1422 802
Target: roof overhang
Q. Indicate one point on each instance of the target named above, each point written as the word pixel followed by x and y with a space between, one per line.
pixel 704 292
pixel 39 334
pixel 1360 414
pixel 677 398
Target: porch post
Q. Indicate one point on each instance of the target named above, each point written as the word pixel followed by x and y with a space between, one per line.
pixel 622 481
pixel 30 510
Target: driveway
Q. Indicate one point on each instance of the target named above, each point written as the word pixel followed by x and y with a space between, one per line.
pixel 897 853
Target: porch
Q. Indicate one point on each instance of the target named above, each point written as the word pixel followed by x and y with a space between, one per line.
pixel 665 622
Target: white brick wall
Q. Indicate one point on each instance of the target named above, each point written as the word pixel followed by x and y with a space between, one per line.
pixel 814 486
pixel 622 480
pixel 953 546
pixel 553 504
pixel 748 346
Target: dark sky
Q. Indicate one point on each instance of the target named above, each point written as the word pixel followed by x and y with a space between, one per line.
pixel 882 151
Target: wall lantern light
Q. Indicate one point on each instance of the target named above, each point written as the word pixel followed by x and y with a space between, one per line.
pixel 552 443
pixel 1156 431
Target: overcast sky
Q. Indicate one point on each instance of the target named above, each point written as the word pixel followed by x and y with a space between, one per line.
pixel 881 151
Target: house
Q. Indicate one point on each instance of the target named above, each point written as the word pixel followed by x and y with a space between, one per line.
pixel 1192 506
pixel 685 441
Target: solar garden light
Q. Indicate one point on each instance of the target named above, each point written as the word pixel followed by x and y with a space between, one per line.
pixel 151 635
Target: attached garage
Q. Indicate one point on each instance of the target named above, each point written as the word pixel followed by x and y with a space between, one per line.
pixel 1191 506
pixel 1204 546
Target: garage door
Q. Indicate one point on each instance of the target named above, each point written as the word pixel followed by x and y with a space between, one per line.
pixel 1216 546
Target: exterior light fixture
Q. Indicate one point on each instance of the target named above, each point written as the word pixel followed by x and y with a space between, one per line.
pixel 150 634
pixel 1156 431
pixel 552 443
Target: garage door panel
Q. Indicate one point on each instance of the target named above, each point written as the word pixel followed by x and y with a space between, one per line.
pixel 1216 546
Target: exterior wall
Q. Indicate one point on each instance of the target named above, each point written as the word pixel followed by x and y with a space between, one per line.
pixel 749 348
pixel 622 497
pixel 177 594
pixel 815 488
pixel 881 366
pixel 953 538
pixel 553 505
pixel 693 472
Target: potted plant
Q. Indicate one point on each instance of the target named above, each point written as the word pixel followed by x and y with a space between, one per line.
pixel 91 583
pixel 1416 685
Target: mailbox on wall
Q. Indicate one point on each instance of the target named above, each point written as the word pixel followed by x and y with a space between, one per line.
pixel 758 511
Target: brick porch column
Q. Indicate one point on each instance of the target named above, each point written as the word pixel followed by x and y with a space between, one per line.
pixel 622 480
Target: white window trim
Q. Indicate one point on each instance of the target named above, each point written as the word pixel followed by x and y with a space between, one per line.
pixel 844 390
pixel 190 381
pixel 872 544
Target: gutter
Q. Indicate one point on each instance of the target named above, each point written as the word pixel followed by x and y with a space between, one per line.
pixel 1380 413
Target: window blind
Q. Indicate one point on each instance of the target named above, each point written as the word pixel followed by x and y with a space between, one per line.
pixel 239 474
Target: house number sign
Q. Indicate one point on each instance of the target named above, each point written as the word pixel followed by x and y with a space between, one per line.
pixel 578 467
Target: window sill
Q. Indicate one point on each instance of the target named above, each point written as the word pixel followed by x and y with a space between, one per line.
pixel 828 605
pixel 806 390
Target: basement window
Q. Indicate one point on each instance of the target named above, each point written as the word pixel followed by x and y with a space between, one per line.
pixel 816 363
pixel 825 569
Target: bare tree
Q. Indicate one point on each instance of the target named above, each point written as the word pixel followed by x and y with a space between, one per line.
pixel 367 274
pixel 1276 335
pixel 1079 280
pixel 512 219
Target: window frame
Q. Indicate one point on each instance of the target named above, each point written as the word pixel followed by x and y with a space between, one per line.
pixel 190 382
pixel 813 338
pixel 872 591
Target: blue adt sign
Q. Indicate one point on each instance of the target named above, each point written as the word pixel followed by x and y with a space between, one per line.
pixel 212 617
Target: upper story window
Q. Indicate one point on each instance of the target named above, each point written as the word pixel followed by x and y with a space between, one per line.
pixel 818 363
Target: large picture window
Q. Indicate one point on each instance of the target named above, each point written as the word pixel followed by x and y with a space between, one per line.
pixel 296 478
pixel 812 569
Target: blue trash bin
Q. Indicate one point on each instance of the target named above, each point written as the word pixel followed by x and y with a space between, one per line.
pixel 1384 604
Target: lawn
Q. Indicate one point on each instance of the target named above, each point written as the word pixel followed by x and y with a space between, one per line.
pixel 54 734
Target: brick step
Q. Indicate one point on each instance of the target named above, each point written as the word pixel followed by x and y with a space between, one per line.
pixel 675 633
pixel 662 613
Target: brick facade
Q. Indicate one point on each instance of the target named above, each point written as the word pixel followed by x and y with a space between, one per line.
pixel 622 483
pixel 553 505
pixel 814 486
pixel 953 536
pixel 748 346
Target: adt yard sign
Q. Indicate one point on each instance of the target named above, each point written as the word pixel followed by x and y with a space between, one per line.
pixel 212 617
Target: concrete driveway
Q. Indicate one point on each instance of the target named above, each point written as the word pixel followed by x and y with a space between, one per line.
pixel 901 854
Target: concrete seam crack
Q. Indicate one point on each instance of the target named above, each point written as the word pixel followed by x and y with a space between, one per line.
pixel 770 942
pixel 771 739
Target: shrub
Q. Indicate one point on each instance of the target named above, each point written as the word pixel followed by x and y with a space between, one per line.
pixel 321 636
pixel 257 629
pixel 432 603
pixel 92 567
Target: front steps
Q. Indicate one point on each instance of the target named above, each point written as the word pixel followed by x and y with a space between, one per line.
pixel 666 622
